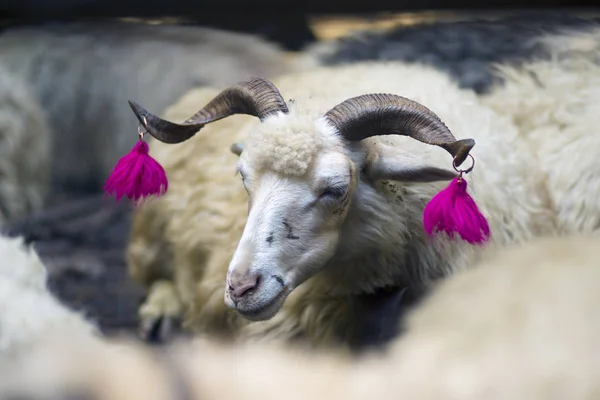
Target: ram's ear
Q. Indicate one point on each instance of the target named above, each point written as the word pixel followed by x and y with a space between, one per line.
pixel 237 148
pixel 385 162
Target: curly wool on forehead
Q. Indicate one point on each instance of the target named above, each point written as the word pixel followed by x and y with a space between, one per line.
pixel 289 143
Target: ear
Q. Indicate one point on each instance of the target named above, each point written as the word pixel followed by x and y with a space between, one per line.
pixel 385 162
pixel 237 148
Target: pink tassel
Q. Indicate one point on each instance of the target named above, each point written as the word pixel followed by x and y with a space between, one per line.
pixel 137 175
pixel 453 211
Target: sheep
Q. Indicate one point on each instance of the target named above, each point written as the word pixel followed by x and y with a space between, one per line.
pixel 522 324
pixel 24 154
pixel 555 103
pixel 378 189
pixel 29 312
pixel 83 72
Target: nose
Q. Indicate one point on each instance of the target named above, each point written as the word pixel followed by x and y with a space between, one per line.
pixel 240 287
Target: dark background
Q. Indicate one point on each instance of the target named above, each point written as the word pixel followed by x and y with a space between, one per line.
pixel 284 22
pixel 207 9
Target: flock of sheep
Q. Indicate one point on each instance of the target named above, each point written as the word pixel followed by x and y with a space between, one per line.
pixel 325 209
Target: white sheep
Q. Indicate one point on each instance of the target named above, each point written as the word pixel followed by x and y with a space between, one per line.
pixel 24 149
pixel 83 73
pixel 555 103
pixel 29 313
pixel 523 324
pixel 347 215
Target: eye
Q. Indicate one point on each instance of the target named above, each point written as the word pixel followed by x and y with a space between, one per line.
pixel 334 192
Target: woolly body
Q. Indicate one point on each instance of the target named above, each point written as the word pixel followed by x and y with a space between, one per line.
pixel 24 149
pixel 382 241
pixel 85 97
pixel 555 104
pixel 524 324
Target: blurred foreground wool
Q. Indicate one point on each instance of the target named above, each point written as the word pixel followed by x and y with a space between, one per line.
pixel 28 311
pixel 83 73
pixel 523 325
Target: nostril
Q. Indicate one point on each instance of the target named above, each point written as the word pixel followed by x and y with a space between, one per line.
pixel 245 287
pixel 241 291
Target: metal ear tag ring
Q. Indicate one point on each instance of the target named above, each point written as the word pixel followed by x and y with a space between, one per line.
pixel 464 171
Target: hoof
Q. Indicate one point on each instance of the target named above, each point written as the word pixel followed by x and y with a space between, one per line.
pixel 159 330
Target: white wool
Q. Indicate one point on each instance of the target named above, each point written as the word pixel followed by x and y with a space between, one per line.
pixel 555 104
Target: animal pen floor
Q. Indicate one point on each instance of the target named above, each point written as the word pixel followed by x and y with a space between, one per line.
pixel 82 238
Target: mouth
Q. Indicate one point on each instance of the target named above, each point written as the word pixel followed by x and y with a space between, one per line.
pixel 265 311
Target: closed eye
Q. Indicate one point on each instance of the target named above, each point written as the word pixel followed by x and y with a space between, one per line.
pixel 334 192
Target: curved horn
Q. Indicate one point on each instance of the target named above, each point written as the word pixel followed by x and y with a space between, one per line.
pixel 369 115
pixel 255 96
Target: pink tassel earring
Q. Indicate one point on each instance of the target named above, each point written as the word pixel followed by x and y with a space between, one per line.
pixel 137 174
pixel 453 211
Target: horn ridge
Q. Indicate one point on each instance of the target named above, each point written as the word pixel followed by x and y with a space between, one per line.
pixel 255 96
pixel 376 114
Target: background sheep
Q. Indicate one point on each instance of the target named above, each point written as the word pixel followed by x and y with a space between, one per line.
pixel 24 152
pixel 382 241
pixel 555 103
pixel 523 324
pixel 84 72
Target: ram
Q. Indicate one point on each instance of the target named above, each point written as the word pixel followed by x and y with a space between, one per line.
pixel 322 196
pixel 523 324
pixel 24 149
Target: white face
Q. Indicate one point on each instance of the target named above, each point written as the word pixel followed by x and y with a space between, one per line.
pixel 292 231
